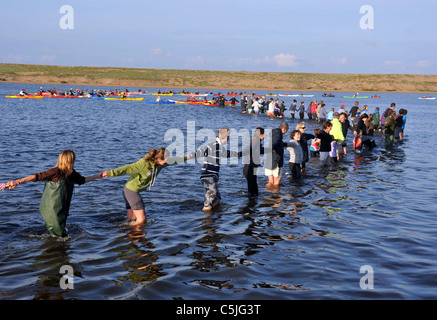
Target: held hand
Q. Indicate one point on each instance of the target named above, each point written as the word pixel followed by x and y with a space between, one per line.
pixel 11 185
pixel 104 174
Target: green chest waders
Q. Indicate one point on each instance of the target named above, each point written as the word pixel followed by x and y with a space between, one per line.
pixel 55 204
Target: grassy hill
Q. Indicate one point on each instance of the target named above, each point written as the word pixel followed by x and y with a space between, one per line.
pixel 225 80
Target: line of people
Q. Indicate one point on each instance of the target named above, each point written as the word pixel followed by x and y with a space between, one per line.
pixel 60 180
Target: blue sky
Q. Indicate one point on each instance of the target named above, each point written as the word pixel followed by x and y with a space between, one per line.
pixel 270 36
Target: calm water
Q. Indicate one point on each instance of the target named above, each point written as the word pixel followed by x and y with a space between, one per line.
pixel 306 241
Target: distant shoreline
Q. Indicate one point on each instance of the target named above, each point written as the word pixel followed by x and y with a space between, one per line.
pixel 220 80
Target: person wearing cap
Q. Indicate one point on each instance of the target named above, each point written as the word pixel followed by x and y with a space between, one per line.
pixel 341 110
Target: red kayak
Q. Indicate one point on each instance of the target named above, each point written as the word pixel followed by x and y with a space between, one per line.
pixel 51 96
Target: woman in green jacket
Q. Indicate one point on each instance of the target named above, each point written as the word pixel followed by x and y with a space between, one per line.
pixel 143 175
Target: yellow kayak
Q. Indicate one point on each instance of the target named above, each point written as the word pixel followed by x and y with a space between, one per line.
pixel 131 99
pixel 25 97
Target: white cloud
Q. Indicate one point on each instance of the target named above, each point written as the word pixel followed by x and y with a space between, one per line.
pixel 159 52
pixel 423 64
pixel 339 60
pixel 393 62
pixel 195 62
pixel 285 60
pixel 48 58
pixel 14 58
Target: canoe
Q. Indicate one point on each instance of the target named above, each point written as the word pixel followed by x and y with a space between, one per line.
pixel 357 97
pixel 296 95
pixel 59 96
pixel 25 97
pixel 123 99
pixel 191 94
pixel 179 101
pixel 162 102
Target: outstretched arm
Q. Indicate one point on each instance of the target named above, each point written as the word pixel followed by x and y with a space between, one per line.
pixel 97 176
pixel 12 184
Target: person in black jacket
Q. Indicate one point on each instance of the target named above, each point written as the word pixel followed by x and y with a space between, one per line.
pixel 304 137
pixel 325 143
pixel 253 152
pixel 362 131
pixel 275 162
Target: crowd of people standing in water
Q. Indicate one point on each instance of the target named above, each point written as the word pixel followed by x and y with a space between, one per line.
pixel 328 143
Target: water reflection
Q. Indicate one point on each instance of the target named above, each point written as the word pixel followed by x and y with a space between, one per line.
pixel 139 258
pixel 48 264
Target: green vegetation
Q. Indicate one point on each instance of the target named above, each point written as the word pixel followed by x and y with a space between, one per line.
pixel 225 80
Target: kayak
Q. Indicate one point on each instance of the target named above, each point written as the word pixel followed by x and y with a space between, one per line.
pixel 25 97
pixel 122 99
pixel 164 102
pixel 427 98
pixel 51 96
pixel 179 101
pixel 357 97
pixel 329 96
pixel 191 94
pixel 296 95
pixel 161 94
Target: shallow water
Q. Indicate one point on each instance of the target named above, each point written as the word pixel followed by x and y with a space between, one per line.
pixel 307 240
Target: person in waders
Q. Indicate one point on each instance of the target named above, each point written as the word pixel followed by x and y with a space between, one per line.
pixel 58 190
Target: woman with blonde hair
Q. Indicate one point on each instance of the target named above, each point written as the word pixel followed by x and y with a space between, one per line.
pixel 58 190
pixel 143 174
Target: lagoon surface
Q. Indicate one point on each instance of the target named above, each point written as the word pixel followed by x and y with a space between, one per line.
pixel 313 239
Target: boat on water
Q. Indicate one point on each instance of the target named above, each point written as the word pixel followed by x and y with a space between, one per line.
pixel 162 102
pixel 125 99
pixel 297 95
pixel 191 94
pixel 356 97
pixel 179 101
pixel 427 98
pixel 17 96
